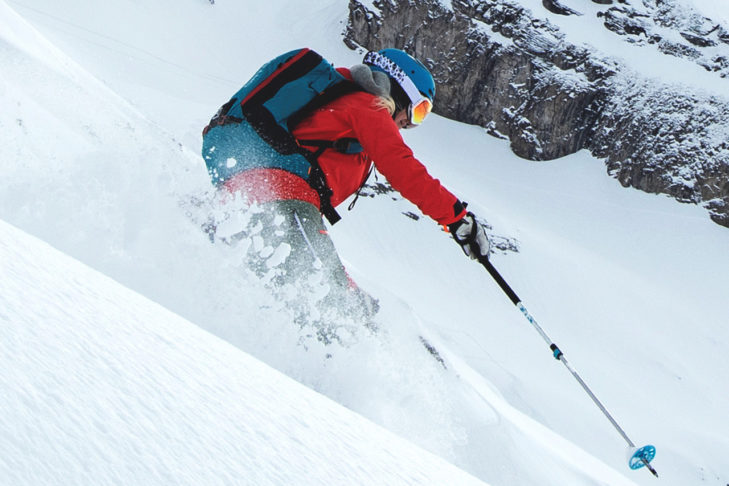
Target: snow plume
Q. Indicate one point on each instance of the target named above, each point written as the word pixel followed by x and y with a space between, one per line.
pixel 105 185
pixel 384 361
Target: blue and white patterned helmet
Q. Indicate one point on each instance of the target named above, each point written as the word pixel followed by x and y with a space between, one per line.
pixel 414 81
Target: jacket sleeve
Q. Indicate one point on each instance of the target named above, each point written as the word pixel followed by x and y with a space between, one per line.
pixel 381 140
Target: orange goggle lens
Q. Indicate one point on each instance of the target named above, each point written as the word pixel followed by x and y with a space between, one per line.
pixel 419 110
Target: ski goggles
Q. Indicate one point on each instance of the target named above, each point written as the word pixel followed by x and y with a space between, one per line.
pixel 418 111
pixel 420 105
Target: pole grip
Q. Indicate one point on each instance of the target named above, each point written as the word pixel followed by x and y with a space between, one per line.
pixel 500 280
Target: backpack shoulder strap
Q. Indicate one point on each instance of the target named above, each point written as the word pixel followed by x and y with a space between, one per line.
pixel 317 179
pixel 330 94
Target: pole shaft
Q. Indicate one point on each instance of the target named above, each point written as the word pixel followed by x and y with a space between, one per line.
pixel 597 402
pixel 557 353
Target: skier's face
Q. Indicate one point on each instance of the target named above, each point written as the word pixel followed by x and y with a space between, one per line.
pixel 401 119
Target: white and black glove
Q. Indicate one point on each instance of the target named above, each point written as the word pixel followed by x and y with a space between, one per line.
pixel 471 235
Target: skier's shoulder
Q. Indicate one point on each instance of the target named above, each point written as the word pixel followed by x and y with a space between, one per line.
pixel 362 106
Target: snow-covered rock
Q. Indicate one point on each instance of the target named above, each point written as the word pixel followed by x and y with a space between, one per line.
pixel 537 73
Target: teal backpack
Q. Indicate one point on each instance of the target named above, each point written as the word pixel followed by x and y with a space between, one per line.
pixel 253 129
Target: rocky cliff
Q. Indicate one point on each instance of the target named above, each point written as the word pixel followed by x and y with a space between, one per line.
pixel 505 67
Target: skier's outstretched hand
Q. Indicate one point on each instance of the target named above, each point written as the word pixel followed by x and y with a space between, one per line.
pixel 471 235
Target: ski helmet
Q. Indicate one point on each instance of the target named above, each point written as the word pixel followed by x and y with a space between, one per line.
pixel 414 87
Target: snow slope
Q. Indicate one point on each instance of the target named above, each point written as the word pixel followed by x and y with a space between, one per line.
pixel 102 386
pixel 630 285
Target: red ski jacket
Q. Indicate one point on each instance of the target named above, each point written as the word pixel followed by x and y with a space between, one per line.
pixel 356 116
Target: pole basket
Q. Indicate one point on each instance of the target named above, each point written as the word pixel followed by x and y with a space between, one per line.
pixel 641 457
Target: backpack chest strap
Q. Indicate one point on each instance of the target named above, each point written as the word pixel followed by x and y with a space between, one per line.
pixel 343 145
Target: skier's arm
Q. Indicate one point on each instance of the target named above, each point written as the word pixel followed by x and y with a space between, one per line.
pixel 381 140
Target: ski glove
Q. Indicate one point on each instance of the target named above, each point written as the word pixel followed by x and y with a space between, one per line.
pixel 471 235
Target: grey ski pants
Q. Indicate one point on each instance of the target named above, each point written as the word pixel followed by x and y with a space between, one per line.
pixel 294 230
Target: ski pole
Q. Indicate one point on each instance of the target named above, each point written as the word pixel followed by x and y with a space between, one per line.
pixel 640 457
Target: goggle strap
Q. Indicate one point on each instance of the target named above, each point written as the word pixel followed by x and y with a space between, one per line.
pixel 387 65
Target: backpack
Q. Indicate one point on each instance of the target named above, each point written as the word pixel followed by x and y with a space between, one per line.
pixel 253 129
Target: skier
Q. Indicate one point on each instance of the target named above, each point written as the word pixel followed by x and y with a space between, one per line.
pixel 396 91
